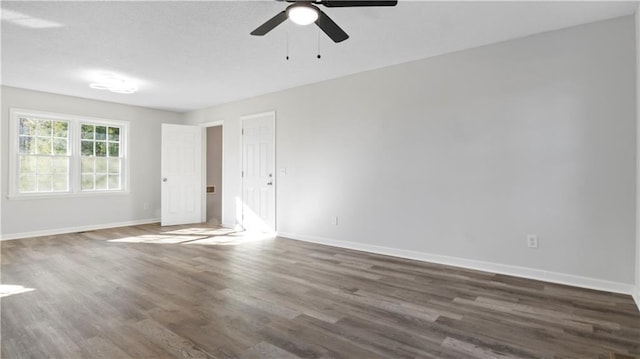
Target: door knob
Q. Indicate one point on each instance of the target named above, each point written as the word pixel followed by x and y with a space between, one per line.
pixel 270 183
pixel 164 179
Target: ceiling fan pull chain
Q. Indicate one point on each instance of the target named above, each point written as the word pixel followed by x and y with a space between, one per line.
pixel 318 42
pixel 287 43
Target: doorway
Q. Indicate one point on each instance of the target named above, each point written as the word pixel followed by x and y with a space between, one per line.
pixel 214 175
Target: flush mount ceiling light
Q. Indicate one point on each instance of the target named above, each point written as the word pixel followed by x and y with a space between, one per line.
pixel 113 83
pixel 302 14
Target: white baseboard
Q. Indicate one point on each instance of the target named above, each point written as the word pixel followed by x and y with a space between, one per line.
pixel 538 274
pixel 51 232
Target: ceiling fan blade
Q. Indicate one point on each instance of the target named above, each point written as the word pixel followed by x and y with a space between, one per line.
pixel 330 28
pixel 270 24
pixel 349 3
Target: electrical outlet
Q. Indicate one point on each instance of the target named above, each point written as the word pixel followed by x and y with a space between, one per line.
pixel 334 220
pixel 532 241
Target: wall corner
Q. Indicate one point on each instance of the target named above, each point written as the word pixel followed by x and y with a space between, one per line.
pixel 637 267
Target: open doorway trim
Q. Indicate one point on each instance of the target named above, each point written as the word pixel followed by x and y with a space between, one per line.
pixel 203 195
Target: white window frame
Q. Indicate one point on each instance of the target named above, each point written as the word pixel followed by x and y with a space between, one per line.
pixel 74 129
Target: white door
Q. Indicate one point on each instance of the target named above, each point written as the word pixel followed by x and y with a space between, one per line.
pixel 258 177
pixel 181 174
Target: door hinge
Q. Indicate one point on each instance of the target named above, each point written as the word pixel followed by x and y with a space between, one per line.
pixel 242 173
pixel 243 131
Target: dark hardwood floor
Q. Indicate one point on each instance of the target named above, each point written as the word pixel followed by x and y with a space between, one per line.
pixel 197 292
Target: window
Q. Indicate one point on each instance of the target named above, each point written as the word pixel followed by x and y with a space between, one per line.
pixel 43 155
pixel 100 157
pixel 56 154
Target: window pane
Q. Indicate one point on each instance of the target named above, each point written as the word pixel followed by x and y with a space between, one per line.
pixel 27 164
pixel 101 165
pixel 27 127
pixel 44 128
pixel 27 184
pixel 60 129
pixel 60 146
pixel 114 150
pixel 101 133
pixel 44 165
pixel 101 149
pixel 43 146
pixel 60 183
pixel 44 183
pixel 87 165
pixel 101 182
pixel 114 165
pixel 60 165
pixel 87 148
pixel 26 145
pixel 114 181
pixel 87 182
pixel 114 134
pixel 87 132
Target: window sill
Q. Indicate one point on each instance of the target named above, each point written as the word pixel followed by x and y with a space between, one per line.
pixel 39 196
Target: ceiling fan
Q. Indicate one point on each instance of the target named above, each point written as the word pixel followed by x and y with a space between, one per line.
pixel 305 12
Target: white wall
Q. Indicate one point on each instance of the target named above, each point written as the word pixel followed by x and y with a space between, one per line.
pixel 214 174
pixel 465 154
pixel 28 216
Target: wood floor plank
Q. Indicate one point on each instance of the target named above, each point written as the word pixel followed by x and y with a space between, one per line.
pixel 100 348
pixel 265 350
pixel 168 340
pixel 205 292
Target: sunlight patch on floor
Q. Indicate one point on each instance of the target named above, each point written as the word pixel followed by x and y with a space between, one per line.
pixel 201 236
pixel 203 231
pixel 159 239
pixel 11 289
pixel 233 239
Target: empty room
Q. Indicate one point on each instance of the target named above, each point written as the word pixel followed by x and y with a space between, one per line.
pixel 320 179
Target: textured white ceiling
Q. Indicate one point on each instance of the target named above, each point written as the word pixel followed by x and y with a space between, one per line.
pixel 191 55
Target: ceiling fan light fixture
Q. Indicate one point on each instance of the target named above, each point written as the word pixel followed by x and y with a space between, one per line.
pixel 302 14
